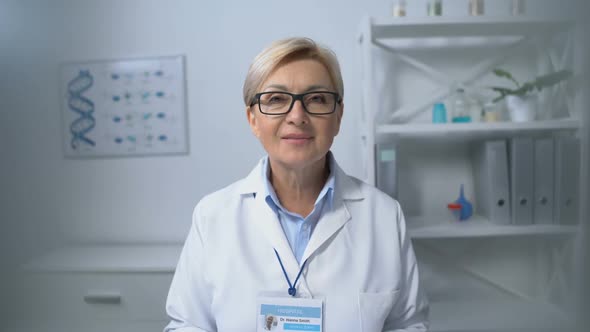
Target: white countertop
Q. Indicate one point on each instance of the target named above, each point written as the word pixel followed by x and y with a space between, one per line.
pixel 108 258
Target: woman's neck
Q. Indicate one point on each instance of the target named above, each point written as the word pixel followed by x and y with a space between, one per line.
pixel 298 189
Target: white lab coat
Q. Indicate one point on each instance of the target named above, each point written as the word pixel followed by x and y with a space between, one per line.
pixel 361 262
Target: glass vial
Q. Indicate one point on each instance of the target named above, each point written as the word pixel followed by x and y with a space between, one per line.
pixel 476 7
pixel 517 7
pixel 399 8
pixel 434 8
pixel 461 107
pixel 491 112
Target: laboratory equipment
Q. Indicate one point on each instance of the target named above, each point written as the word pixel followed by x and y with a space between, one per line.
pixel 434 8
pixel 476 7
pixel 461 107
pixel 517 7
pixel 462 208
pixel 439 113
pixel 399 8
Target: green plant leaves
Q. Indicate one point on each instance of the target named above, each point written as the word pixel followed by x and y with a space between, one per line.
pixel 539 83
pixel 551 79
pixel 503 73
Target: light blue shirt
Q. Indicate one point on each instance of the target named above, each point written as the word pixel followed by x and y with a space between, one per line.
pixel 297 228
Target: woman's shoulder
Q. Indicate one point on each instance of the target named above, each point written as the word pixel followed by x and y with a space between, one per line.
pixel 372 194
pixel 233 193
pixel 221 198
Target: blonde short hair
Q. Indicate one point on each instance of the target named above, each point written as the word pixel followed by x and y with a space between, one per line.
pixel 285 50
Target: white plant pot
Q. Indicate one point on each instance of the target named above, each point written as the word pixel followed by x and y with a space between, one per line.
pixel 522 109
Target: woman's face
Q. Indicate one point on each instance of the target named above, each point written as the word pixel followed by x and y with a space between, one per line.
pixel 296 139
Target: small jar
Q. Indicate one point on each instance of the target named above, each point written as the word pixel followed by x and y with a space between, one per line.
pixel 492 112
pixel 399 8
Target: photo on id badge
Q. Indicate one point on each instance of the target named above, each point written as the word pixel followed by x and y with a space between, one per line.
pixel 270 322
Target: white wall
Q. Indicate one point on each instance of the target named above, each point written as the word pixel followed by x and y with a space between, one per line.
pixel 49 201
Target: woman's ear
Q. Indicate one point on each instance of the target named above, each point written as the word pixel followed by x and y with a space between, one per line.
pixel 339 114
pixel 252 120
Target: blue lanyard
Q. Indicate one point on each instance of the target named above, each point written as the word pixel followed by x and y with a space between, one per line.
pixel 292 290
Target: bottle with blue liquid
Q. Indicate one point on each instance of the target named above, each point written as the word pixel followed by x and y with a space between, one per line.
pixel 461 107
pixel 439 113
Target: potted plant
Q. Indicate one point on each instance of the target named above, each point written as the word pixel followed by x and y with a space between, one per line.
pixel 521 100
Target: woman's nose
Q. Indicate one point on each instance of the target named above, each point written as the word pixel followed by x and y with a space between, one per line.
pixel 297 115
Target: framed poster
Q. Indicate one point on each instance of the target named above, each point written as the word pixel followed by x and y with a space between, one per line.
pixel 124 108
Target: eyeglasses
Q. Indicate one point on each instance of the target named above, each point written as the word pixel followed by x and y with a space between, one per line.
pixel 314 102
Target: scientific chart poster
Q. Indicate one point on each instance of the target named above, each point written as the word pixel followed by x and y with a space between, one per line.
pixel 124 107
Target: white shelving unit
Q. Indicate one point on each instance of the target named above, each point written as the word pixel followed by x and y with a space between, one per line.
pixel 472 131
pixel 478 226
pixel 469 26
pixel 471 300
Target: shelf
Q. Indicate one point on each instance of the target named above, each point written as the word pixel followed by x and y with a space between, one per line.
pixel 112 258
pixel 476 130
pixel 429 27
pixel 460 301
pixel 477 226
pixel 434 43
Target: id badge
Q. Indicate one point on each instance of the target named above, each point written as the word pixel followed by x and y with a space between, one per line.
pixel 289 314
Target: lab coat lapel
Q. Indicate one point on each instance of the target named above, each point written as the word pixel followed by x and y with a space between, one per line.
pixel 268 223
pixel 265 219
pixel 327 226
pixel 345 190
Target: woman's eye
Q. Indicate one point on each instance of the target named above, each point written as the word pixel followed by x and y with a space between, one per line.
pixel 317 98
pixel 274 99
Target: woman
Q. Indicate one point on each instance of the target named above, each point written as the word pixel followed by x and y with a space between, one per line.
pixel 297 238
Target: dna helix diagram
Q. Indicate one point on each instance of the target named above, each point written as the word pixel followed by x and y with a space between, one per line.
pixel 83 106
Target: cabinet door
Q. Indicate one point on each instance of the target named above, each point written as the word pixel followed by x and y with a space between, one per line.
pixel 151 326
pixel 93 298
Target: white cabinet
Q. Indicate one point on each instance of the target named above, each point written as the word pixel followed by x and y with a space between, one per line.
pixel 115 288
pixel 479 275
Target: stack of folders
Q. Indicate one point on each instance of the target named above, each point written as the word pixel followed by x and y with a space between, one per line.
pixel 524 180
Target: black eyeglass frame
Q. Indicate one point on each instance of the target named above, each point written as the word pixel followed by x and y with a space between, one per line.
pixel 295 97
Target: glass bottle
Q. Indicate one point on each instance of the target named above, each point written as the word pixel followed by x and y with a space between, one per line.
pixel 434 8
pixel 476 7
pixel 399 8
pixel 517 7
pixel 439 113
pixel 461 107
